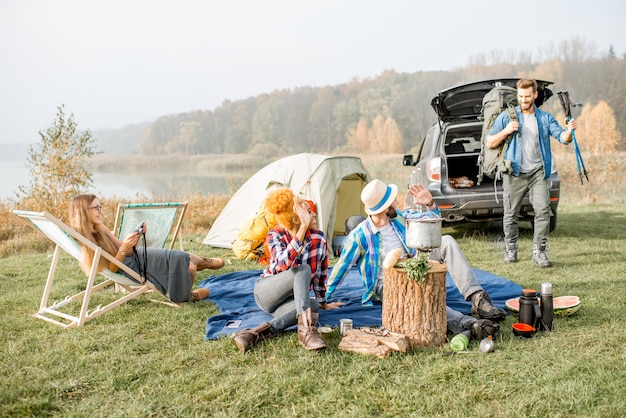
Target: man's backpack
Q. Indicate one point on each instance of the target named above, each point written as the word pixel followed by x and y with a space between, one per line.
pixel 491 162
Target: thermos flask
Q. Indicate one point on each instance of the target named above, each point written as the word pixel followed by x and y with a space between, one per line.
pixel 546 307
pixel 529 311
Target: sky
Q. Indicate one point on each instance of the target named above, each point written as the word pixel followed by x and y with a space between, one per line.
pixel 113 63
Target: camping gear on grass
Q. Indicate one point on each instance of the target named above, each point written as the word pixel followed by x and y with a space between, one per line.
pixel 529 311
pixel 423 234
pixel 563 305
pixel 547 307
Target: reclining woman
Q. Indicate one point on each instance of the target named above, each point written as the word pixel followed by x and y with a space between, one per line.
pixel 298 262
pixel 172 272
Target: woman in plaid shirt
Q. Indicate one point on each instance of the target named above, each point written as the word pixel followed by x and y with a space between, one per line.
pixel 298 263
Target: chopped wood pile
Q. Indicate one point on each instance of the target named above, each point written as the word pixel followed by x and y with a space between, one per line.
pixel 377 342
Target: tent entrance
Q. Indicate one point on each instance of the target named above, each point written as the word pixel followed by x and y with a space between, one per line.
pixel 348 202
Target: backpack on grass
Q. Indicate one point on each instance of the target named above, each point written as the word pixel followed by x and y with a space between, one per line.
pixel 491 162
pixel 248 243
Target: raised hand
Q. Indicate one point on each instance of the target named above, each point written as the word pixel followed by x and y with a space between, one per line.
pixel 301 210
pixel 421 194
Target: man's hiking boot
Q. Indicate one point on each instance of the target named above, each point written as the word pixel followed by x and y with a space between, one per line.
pixel 510 256
pixel 540 257
pixel 482 307
pixel 481 328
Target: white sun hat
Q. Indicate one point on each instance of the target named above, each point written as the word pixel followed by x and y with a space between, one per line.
pixel 377 196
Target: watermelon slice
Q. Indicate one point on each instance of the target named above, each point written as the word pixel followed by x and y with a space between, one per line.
pixel 563 305
pixel 566 305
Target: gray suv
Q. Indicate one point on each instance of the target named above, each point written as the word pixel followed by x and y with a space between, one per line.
pixel 447 157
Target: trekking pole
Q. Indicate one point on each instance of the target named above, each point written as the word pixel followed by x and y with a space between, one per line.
pixel 579 160
pixel 567 105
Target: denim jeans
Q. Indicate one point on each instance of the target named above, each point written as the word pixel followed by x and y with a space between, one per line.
pixel 515 188
pixel 457 322
pixel 285 295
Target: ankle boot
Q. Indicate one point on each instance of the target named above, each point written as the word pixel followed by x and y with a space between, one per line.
pixel 247 337
pixel 308 336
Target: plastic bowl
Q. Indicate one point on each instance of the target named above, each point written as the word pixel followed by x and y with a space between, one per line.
pixel 523 330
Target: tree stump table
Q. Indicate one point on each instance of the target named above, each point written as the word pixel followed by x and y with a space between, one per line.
pixel 416 310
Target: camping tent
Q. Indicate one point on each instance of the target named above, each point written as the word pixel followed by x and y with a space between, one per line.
pixel 333 183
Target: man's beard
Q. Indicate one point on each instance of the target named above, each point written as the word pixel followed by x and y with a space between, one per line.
pixel 391 212
pixel 526 106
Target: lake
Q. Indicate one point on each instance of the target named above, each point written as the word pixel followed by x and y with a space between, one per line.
pixel 166 185
pixel 169 183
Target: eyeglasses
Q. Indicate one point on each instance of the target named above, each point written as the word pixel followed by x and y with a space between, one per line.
pixel 98 208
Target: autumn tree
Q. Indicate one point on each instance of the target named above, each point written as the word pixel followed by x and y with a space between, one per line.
pixel 358 138
pixel 57 166
pixel 384 136
pixel 597 137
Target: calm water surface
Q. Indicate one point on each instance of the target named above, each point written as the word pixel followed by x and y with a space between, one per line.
pixel 161 185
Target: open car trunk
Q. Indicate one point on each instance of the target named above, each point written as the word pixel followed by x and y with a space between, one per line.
pixel 461 151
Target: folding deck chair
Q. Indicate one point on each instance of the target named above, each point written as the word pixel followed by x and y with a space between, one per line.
pixel 69 240
pixel 163 220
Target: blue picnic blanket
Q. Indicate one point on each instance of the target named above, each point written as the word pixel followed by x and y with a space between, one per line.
pixel 233 295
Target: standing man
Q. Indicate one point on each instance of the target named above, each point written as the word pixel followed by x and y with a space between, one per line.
pixel 531 160
pixel 369 243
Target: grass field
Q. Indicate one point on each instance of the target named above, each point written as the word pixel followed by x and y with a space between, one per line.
pixel 146 359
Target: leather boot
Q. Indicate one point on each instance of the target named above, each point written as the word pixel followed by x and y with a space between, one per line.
pixel 308 336
pixel 247 337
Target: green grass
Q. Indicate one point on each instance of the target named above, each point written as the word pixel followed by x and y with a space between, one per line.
pixel 148 359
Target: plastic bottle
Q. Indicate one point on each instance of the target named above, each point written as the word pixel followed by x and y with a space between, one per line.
pixel 415 176
pixel 460 341
pixel 486 345
pixel 416 209
pixel 409 203
pixel 547 305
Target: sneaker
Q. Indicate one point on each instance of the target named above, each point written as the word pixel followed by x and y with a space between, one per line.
pixel 540 257
pixel 482 307
pixel 510 256
pixel 482 328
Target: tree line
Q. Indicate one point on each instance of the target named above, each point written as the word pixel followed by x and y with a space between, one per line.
pixel 389 113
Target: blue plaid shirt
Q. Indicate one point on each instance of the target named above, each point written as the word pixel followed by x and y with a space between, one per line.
pixel 362 246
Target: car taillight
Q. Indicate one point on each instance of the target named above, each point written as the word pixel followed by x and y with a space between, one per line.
pixel 433 169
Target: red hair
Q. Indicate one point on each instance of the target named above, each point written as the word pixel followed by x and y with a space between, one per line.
pixel 279 202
